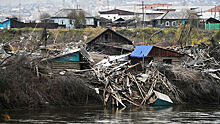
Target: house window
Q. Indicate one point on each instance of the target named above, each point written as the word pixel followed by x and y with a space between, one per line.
pixel 167 61
pixel 167 23
pixel 159 22
pixel 173 23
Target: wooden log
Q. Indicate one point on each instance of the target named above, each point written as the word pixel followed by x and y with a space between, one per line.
pixel 106 99
pixel 129 86
pixel 132 66
pixel 119 100
pixel 132 102
pixel 147 96
pixel 138 87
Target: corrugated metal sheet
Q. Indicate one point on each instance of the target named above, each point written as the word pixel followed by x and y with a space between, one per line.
pixel 141 51
pixel 153 51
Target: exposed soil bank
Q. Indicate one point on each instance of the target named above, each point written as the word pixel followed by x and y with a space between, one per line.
pixel 195 87
pixel 21 88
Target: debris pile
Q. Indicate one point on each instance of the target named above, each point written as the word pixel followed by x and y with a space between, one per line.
pixel 121 86
pixel 203 60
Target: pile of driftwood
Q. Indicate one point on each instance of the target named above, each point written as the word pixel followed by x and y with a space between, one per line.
pixel 203 58
pixel 122 86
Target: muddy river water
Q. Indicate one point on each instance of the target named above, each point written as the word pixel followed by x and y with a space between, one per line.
pixel 99 114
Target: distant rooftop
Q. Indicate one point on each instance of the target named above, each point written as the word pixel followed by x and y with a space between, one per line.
pixel 117 11
pixel 179 8
pixel 174 15
pixel 65 12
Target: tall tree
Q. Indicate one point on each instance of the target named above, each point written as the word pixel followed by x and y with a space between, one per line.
pixel 79 18
pixel 44 17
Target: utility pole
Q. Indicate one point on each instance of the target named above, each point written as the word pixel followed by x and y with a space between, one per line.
pixel 19 16
pixel 64 3
pixel 143 13
pixel 108 4
pixel 77 6
pixel 215 12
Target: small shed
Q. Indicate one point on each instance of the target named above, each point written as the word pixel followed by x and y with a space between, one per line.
pixel 11 23
pixel 212 24
pixel 157 54
pixel 110 42
pixel 77 59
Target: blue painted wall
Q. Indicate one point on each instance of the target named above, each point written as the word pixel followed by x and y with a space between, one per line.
pixel 69 57
pixel 64 21
pixel 5 24
pixel 90 21
pixel 69 23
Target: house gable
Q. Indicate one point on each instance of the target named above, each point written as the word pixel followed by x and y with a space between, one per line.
pixel 109 42
pixel 108 36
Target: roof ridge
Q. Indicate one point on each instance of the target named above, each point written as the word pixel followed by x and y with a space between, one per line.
pixel 165 14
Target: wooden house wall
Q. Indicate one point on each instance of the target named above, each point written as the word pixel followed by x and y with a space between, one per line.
pixel 159 55
pixel 147 60
pixel 107 43
pixel 71 61
pixel 158 52
pixel 61 65
pixel 175 60
pixel 17 24
pixel 111 38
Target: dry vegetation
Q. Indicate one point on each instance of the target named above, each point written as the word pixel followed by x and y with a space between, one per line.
pixel 21 88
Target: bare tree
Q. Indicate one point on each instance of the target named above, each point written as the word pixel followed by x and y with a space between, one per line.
pixel 192 22
pixel 79 18
pixel 44 17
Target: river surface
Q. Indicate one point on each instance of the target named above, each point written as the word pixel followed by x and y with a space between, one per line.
pixel 99 114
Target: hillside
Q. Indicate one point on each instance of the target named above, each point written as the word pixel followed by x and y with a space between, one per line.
pixel 30 38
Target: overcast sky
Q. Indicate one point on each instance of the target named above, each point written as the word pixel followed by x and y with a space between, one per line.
pixel 94 2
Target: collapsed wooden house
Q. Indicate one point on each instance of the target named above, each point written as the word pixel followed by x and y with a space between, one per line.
pixel 156 54
pixel 110 43
pixel 77 59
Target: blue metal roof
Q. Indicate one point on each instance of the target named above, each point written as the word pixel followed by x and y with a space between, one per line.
pixel 141 51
